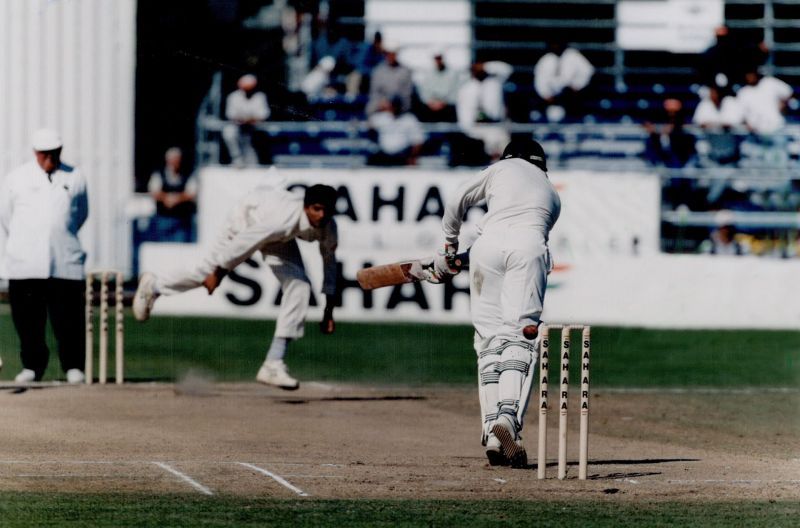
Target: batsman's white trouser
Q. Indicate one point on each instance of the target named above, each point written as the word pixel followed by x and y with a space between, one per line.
pixel 508 277
pixel 286 263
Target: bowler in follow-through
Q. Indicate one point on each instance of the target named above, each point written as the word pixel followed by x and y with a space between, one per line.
pixel 268 220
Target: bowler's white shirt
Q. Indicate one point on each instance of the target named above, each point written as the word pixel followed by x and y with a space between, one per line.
pixel 268 218
pixel 39 221
pixel 239 107
pixel 553 73
pixel 519 197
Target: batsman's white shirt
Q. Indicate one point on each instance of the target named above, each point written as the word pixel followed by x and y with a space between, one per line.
pixel 39 220
pixel 510 260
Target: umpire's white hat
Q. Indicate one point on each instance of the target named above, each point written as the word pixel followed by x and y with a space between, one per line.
pixel 46 139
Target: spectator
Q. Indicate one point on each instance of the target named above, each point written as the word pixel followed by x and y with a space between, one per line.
pixel 317 84
pixel 244 108
pixel 722 241
pixel 727 61
pixel 669 145
pixel 174 190
pixel 332 42
pixel 43 205
pixel 438 89
pixel 481 109
pixel 297 44
pixel 389 80
pixel 366 58
pixel 400 135
pixel 763 100
pixel 717 114
pixel 561 77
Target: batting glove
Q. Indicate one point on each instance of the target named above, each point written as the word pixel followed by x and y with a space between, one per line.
pixel 444 263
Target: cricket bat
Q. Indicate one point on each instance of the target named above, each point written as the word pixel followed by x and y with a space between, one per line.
pixel 402 272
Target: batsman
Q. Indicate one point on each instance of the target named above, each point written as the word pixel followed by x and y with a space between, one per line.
pixel 509 265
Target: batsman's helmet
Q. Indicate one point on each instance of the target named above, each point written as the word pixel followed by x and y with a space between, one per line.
pixel 528 150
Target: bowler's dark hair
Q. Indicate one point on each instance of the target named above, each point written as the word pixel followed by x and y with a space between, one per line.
pixel 321 194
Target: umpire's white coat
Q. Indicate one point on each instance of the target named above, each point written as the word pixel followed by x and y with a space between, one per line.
pixel 268 220
pixel 40 217
pixel 510 260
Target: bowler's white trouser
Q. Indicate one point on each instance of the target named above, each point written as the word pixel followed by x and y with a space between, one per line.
pixel 508 277
pixel 286 263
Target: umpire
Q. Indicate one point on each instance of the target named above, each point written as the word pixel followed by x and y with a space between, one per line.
pixel 43 204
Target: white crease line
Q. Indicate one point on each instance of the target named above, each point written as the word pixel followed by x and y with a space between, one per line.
pixel 74 476
pixel 730 481
pixel 300 475
pixel 47 462
pixel 698 390
pixel 277 478
pixel 186 478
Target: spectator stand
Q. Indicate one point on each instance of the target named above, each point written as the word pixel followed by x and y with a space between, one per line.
pixel 629 88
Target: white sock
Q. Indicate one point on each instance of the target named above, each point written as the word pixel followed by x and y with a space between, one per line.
pixel 278 348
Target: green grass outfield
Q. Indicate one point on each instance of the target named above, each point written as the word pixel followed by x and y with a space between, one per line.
pixel 414 354
pixel 165 348
pixel 25 509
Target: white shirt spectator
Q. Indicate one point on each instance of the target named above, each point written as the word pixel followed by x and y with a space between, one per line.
pixel 728 114
pixel 483 100
pixel 318 78
pixel 763 104
pixel 553 73
pixel 439 85
pixel 40 219
pixel 243 109
pixel 480 106
pixel 397 133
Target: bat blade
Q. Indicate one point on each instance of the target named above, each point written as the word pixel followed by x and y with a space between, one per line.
pixel 391 274
pixel 402 272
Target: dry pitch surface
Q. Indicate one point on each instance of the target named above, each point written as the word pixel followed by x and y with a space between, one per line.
pixel 336 441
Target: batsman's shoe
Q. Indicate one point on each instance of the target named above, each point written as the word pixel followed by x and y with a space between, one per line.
pixel 505 431
pixel 75 376
pixel 273 372
pixel 145 297
pixel 25 376
pixel 494 452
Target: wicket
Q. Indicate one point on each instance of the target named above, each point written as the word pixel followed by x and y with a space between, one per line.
pixel 105 276
pixel 583 448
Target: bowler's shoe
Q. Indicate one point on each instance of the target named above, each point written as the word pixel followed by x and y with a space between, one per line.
pixel 273 372
pixel 145 297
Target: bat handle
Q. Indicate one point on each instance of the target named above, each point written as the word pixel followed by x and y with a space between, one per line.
pixel 461 261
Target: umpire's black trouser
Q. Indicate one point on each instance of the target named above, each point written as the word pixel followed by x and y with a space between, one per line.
pixel 32 300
